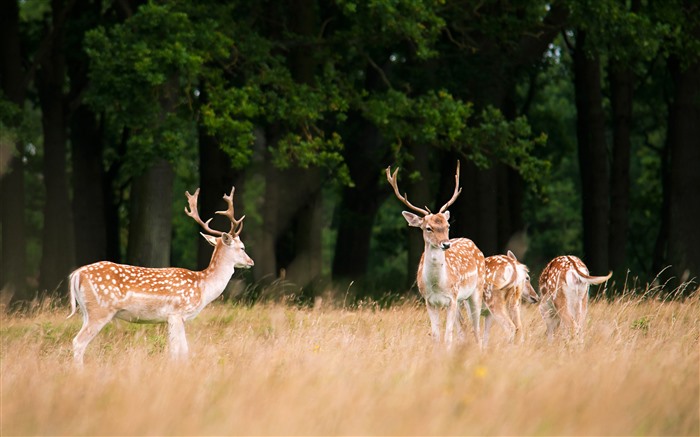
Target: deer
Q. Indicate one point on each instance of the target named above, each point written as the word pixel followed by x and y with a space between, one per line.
pixel 106 290
pixel 564 285
pixel 507 283
pixel 451 271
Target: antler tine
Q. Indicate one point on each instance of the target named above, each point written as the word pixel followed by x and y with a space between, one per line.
pixel 192 212
pixel 236 225
pixel 392 181
pixel 456 194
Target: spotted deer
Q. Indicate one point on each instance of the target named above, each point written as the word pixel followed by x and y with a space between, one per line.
pixel 106 290
pixel 451 271
pixel 564 284
pixel 507 283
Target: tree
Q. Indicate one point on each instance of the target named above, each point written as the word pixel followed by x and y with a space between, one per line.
pixel 12 191
pixel 592 155
pixel 58 256
pixel 683 133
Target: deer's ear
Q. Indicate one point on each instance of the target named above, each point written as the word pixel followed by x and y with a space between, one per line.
pixel 447 215
pixel 210 239
pixel 227 239
pixel 412 219
pixel 511 255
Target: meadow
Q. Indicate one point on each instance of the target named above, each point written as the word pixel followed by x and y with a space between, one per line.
pixel 281 369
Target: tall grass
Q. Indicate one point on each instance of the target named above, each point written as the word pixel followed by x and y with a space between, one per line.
pixel 279 369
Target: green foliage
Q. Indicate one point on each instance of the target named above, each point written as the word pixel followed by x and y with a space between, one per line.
pixel 641 324
pixel 443 121
pixel 380 23
pixel 144 72
pixel 511 142
pixel 625 35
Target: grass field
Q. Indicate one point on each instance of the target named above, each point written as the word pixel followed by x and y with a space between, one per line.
pixel 277 369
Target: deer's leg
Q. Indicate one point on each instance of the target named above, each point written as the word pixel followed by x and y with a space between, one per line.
pixel 177 341
pixel 583 314
pixel 460 325
pixel 488 321
pixel 514 313
pixel 550 317
pixel 473 306
pixel 434 314
pixel 452 317
pixel 568 320
pixel 91 327
pixel 501 316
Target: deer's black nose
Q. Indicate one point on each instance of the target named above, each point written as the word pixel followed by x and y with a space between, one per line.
pixel 445 245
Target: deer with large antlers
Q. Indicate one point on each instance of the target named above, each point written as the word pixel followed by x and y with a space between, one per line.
pixel 564 284
pixel 106 290
pixel 451 271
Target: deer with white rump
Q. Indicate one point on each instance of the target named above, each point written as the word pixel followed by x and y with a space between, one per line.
pixel 106 290
pixel 564 284
pixel 507 283
pixel 451 271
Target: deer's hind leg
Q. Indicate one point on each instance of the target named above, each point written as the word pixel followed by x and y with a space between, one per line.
pixel 92 325
pixel 550 317
pixel 95 317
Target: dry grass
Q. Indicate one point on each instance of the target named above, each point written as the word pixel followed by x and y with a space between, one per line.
pixel 274 369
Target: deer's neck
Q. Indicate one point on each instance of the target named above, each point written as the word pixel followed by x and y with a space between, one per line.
pixel 434 267
pixel 216 276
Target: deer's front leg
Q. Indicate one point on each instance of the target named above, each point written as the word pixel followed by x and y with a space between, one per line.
pixel 177 341
pixel 452 317
pixel 434 314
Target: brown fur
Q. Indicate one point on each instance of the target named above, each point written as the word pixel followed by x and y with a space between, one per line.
pixel 564 285
pixel 507 283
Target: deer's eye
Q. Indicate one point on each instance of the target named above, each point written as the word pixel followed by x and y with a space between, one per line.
pixel 429 229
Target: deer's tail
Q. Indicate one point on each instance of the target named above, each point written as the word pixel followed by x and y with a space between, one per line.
pixel 588 278
pixel 74 283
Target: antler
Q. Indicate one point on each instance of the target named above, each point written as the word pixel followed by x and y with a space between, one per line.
pixel 229 214
pixel 458 190
pixel 392 181
pixel 192 212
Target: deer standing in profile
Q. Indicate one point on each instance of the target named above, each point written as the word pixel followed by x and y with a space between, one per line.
pixel 106 290
pixel 507 283
pixel 451 271
pixel 564 285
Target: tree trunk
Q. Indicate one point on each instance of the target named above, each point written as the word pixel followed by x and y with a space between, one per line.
pixel 13 259
pixel 621 94
pixel 306 265
pixel 285 206
pixel 150 216
pixel 358 206
pixel 89 209
pixel 264 252
pixel 659 258
pixel 593 161
pixel 420 195
pixel 511 227
pixel 684 196
pixel 216 177
pixel 113 195
pixel 475 213
pixel 58 255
